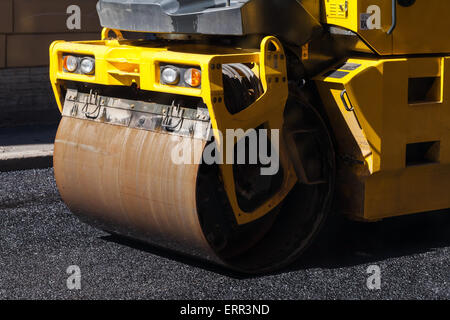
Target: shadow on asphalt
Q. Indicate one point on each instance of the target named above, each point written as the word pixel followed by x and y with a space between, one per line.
pixel 172 255
pixel 343 243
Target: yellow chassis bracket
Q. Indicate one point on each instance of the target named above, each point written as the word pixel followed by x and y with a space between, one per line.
pixel 379 108
pixel 123 63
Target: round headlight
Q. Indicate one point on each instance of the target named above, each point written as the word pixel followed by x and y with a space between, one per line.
pixel 193 77
pixel 170 75
pixel 70 63
pixel 87 66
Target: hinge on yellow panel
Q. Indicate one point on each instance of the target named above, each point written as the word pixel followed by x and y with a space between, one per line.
pixel 337 9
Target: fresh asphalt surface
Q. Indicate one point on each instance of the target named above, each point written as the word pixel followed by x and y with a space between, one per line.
pixel 39 239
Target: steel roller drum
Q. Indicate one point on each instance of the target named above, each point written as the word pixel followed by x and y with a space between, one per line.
pixel 123 180
pixel 120 176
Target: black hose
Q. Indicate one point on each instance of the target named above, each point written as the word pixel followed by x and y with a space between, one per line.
pixel 241 86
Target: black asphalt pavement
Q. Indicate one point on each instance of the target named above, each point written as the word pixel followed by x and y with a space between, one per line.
pixel 40 239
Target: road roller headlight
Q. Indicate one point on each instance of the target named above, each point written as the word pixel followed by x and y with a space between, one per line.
pixel 70 63
pixel 79 64
pixel 170 75
pixel 87 65
pixel 193 77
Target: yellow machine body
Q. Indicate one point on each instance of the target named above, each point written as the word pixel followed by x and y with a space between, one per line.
pixel 421 28
pixel 378 121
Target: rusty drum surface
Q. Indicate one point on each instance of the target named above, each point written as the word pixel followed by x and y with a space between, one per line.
pixel 123 180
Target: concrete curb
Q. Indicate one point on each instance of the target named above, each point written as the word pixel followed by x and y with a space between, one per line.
pixel 26 159
pixel 24 148
pixel 32 162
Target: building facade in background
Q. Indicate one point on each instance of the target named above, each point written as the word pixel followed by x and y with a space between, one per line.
pixel 27 28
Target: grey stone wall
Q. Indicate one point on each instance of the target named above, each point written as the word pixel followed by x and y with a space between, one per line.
pixel 26 97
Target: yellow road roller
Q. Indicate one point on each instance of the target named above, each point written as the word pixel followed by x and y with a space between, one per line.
pixel 229 130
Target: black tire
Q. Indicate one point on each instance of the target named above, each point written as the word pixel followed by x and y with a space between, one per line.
pixel 280 237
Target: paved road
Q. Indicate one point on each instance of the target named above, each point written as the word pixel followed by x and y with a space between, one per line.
pixel 39 239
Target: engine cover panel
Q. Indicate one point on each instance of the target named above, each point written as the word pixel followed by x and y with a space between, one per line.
pixel 292 20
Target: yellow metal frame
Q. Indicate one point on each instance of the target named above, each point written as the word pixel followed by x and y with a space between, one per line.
pixel 419 29
pixel 377 132
pixel 379 39
pixel 120 63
